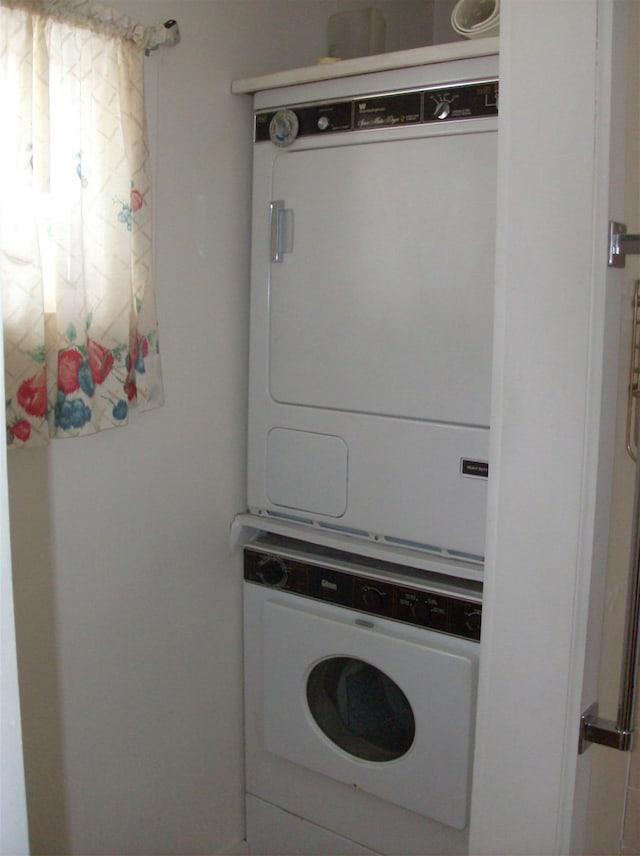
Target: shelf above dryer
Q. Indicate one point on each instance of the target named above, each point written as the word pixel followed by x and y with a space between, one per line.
pixel 368 64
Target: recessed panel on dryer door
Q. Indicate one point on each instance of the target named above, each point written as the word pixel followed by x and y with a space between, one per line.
pixel 384 304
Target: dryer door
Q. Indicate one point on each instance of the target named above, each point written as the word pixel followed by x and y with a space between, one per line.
pixel 379 705
pixel 385 303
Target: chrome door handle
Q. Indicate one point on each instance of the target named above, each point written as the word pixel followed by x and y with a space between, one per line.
pixel 280 230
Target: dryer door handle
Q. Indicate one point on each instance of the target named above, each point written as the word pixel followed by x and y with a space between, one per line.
pixel 280 230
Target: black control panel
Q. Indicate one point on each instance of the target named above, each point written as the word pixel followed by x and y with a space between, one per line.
pixel 422 106
pixel 411 604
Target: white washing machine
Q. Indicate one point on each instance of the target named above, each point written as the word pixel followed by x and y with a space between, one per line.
pixel 360 689
pixel 372 305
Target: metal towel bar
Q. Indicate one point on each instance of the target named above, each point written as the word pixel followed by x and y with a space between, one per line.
pixel 619 734
pixel 633 391
pixel 594 729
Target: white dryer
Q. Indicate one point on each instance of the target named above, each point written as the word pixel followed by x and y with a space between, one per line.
pixel 372 305
pixel 360 688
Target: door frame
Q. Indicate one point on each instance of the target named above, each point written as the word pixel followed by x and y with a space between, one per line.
pixel 553 420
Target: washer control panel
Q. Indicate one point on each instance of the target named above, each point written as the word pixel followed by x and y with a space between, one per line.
pixel 388 110
pixel 377 588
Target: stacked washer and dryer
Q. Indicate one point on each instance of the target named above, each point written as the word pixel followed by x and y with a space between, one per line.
pixel 370 374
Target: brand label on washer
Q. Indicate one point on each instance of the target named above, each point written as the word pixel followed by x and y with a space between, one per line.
pixel 474 469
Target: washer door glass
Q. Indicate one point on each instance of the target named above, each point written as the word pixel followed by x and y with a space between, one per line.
pixel 360 709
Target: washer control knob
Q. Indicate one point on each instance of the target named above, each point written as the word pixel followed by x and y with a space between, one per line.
pixel 273 572
pixel 421 611
pixel 283 128
pixel 443 109
pixel 323 123
pixel 371 597
pixel 473 621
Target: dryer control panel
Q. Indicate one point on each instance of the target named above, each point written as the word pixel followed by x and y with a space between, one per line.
pixel 387 110
pixel 366 585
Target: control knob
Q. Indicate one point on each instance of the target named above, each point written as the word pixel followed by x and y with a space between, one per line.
pixel 473 621
pixel 283 128
pixel 273 572
pixel 421 611
pixel 371 597
pixel 443 109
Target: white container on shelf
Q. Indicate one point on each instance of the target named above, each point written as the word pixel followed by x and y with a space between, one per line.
pixel 357 33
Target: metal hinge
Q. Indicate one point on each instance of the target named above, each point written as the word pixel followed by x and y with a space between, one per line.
pixel 593 729
pixel 621 244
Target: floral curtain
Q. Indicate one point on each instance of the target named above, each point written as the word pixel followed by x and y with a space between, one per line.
pixel 80 329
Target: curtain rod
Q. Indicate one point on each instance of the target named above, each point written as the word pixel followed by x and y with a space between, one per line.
pixel 101 19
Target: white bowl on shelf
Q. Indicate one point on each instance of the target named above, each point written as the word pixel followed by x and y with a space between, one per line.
pixel 476 19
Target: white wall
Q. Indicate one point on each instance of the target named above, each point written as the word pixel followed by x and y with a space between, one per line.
pixel 127 593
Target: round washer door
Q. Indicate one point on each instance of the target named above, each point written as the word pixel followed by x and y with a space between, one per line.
pixel 329 682
pixel 360 709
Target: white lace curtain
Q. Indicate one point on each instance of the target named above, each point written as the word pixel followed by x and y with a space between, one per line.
pixel 80 329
